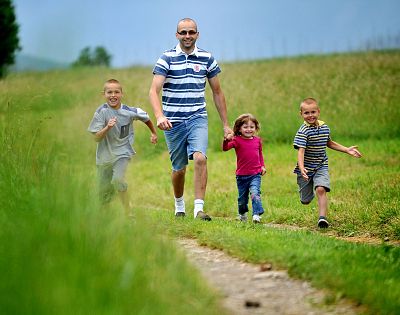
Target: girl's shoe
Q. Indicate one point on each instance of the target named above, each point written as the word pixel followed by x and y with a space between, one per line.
pixel 256 218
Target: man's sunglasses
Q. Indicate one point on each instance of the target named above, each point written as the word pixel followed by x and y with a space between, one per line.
pixel 184 33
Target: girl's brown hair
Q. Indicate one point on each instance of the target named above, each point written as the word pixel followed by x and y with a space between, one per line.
pixel 243 119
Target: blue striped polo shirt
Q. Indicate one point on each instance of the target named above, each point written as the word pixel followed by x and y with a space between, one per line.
pixel 314 139
pixel 185 82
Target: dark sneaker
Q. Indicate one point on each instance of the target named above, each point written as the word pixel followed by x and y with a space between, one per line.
pixel 180 214
pixel 323 222
pixel 202 216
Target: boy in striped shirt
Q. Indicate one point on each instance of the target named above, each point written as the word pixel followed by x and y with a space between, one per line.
pixel 311 141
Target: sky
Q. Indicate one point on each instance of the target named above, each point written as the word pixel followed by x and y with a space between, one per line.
pixel 137 32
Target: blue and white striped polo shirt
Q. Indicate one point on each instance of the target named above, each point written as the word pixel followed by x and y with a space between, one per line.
pixel 314 139
pixel 185 82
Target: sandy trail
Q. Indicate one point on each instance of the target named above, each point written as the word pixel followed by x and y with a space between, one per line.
pixel 253 289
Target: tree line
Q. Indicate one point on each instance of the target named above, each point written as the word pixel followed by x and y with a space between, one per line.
pixel 10 43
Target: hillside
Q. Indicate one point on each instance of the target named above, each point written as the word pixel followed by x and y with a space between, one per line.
pixel 31 63
pixel 65 254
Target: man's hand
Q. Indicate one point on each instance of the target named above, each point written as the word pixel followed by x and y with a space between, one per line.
pixel 163 123
pixel 228 133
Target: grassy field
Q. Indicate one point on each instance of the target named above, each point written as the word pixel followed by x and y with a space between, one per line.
pixel 60 253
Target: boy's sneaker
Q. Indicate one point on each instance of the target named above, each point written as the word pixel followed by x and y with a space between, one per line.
pixel 202 216
pixel 242 217
pixel 180 214
pixel 323 222
pixel 256 218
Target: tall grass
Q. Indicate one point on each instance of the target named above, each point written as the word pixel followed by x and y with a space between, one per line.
pixel 61 253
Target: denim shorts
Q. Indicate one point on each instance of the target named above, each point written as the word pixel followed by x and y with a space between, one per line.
pixel 307 187
pixel 185 138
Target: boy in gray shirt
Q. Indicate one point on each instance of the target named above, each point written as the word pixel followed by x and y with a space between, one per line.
pixel 112 127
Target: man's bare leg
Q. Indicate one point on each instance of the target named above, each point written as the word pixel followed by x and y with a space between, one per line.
pixel 200 184
pixel 178 184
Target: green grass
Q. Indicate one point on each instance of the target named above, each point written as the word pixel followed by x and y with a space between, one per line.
pixel 364 273
pixel 364 199
pixel 62 254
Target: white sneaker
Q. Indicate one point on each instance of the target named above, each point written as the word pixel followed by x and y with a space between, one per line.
pixel 242 217
pixel 256 218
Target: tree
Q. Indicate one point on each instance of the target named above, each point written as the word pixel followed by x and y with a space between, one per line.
pixel 85 58
pixel 100 57
pixel 8 36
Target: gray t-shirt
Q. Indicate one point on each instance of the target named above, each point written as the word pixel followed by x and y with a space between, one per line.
pixel 118 141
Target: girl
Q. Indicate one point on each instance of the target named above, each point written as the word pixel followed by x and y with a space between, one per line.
pixel 250 165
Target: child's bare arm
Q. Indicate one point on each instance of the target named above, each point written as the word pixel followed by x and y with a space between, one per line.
pixel 341 148
pixel 98 136
pixel 153 130
pixel 300 162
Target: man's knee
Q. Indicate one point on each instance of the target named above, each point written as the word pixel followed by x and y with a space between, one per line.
pixel 199 159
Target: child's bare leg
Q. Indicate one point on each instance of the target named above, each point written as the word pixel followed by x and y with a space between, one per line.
pixel 322 200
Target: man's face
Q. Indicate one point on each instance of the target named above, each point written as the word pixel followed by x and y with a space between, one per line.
pixel 187 35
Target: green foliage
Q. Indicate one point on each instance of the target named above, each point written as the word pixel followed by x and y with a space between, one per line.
pixel 89 58
pixel 8 36
pixel 63 254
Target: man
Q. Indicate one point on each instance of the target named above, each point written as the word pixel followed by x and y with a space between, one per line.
pixel 181 73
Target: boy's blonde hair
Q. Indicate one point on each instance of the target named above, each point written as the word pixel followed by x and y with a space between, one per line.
pixel 111 81
pixel 243 119
pixel 308 101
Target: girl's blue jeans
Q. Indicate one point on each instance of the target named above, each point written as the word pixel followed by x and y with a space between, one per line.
pixel 249 185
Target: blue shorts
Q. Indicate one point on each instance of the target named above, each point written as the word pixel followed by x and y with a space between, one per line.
pixel 185 138
pixel 307 187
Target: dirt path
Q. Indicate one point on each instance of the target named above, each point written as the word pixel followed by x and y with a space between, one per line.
pixel 254 289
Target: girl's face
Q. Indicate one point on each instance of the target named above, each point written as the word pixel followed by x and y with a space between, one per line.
pixel 248 129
